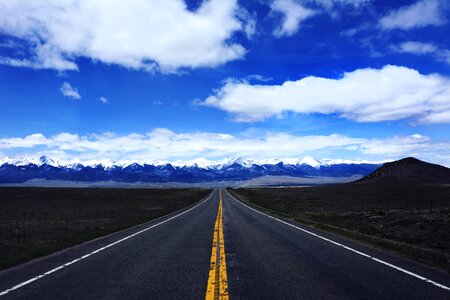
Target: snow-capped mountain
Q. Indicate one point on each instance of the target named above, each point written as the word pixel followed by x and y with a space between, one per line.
pixel 38 161
pixel 17 170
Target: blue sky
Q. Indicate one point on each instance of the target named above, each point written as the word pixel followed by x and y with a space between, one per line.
pixel 361 80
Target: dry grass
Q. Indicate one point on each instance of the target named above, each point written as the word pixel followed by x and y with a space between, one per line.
pixel 38 221
pixel 411 220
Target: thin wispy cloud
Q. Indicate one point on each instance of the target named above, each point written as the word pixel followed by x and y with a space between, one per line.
pixel 420 14
pixel 416 48
pixel 420 48
pixel 293 13
pixel 69 91
pixel 103 100
pixel 292 16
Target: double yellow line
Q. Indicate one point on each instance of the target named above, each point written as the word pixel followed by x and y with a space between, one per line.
pixel 217 281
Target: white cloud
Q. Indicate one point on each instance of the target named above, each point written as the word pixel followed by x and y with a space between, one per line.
pixel 330 4
pixel 364 95
pixel 142 34
pixel 293 14
pixel 257 77
pixel 250 28
pixel 420 14
pixel 415 145
pixel 249 21
pixel 444 55
pixel 397 145
pixel 162 143
pixel 29 141
pixel 416 47
pixel 103 100
pixel 440 117
pixel 165 144
pixel 420 48
pixel 69 91
pixel 42 57
pixel 335 7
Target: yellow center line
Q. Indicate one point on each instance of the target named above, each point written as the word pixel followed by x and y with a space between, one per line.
pixel 217 281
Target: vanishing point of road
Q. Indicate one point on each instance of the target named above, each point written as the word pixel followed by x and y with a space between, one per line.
pixel 221 248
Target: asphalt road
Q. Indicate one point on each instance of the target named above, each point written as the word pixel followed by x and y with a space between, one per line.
pixel 267 259
pixel 169 258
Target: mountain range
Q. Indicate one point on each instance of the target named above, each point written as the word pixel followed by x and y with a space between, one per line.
pixel 199 170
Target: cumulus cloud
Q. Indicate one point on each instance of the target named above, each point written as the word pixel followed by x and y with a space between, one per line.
pixel 135 34
pixel 420 14
pixel 293 14
pixel 364 95
pixel 420 48
pixel 103 100
pixel 69 91
pixel 165 144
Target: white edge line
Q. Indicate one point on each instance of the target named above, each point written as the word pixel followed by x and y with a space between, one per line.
pixel 18 286
pixel 348 248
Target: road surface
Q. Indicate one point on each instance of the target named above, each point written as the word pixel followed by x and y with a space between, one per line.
pixel 257 257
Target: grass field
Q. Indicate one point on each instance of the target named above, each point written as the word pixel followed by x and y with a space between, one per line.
pixel 38 221
pixel 411 220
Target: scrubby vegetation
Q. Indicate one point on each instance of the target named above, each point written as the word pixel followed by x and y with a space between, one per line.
pixel 38 221
pixel 413 220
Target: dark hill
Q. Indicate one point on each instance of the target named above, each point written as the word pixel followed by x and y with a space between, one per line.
pixel 408 170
